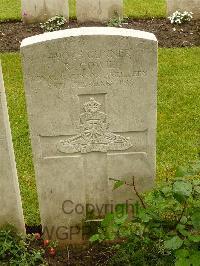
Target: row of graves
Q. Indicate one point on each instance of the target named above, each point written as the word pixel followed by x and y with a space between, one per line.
pixel 93 10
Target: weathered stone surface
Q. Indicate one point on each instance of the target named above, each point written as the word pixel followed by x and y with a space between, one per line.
pixel 98 10
pixel 91 99
pixel 10 201
pixel 184 5
pixel 34 11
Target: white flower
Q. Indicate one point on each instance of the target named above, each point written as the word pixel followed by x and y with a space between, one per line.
pixel 178 17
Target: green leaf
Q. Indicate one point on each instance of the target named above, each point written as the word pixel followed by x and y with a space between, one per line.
pixel 182 262
pixel 181 171
pixel 166 191
pixel 194 238
pixel 195 258
pixel 180 226
pixel 143 215
pixel 182 253
pixel 181 229
pixel 192 170
pixel 174 243
pixel 183 220
pixel 108 220
pixel 187 243
pixel 118 184
pixel 183 232
pixel 182 257
pixel 196 220
pixel 111 235
pixel 120 219
pixel 182 189
pixel 196 182
pixel 195 168
pixel 124 231
pixel 94 238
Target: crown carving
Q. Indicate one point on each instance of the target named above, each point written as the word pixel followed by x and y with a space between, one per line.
pixel 92 105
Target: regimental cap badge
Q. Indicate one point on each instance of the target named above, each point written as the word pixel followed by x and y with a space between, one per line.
pixel 94 133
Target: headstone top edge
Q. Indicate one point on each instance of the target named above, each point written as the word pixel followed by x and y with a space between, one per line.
pixel 87 31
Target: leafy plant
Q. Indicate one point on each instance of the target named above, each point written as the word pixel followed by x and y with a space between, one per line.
pixel 165 228
pixel 17 250
pixel 180 17
pixel 53 24
pixel 117 22
pixel 50 246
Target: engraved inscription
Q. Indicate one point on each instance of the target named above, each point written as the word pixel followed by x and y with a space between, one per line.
pixel 94 133
pixel 103 67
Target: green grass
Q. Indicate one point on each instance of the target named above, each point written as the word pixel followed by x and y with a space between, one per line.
pixel 18 118
pixel 145 8
pixel 178 118
pixel 11 9
pixel 178 108
pixel 72 8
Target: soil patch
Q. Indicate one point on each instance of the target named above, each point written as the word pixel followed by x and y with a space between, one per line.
pixel 96 255
pixel 75 255
pixel 168 35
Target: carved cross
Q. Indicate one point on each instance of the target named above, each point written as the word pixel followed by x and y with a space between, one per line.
pixel 98 148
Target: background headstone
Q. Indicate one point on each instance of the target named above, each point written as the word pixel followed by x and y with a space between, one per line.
pixel 91 99
pixel 35 11
pixel 10 201
pixel 184 5
pixel 98 10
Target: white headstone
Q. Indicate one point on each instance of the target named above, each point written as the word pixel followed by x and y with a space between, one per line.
pixel 91 99
pixel 184 5
pixel 98 10
pixel 35 11
pixel 10 201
